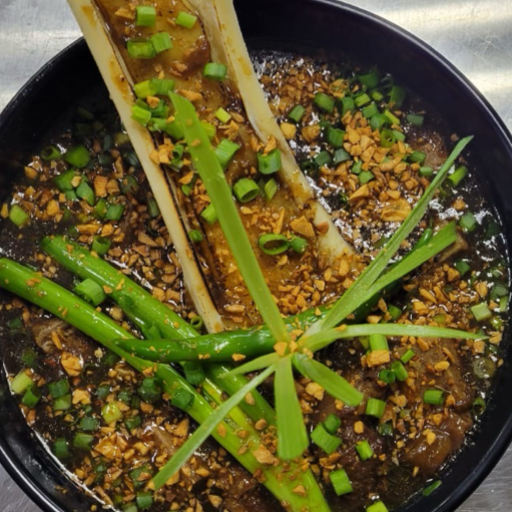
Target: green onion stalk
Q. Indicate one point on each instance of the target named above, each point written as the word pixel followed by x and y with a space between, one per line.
pixel 44 293
pixel 154 318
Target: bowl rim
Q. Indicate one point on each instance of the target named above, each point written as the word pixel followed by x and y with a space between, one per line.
pixel 32 488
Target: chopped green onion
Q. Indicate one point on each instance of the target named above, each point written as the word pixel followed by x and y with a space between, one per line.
pixel 479 402
pixel 62 403
pixel 498 290
pixel 153 209
pixel 309 167
pixel 246 190
pixel 378 121
pixel 140 49
pixel 83 441
pixel 182 399
pixel 111 413
pixel 417 157
pixel 347 105
pixel 64 181
pixel 78 156
pixel 377 507
pixel 114 212
pixel 392 118
pixel 60 449
pixel 144 89
pixel 433 397
pixel 484 368
pixel 161 111
pixel 100 245
pixel 89 424
pixel 387 376
pixel 144 500
pixel 298 244
pixel 150 390
pixel 375 408
pixel 323 158
pixel 357 167
pixel 397 96
pixel 130 507
pixel 129 185
pixel 408 355
pixel 133 423
pixel 197 323
pixel 161 42
pixel 387 138
pixel 493 229
pixel 209 214
pixel 481 312
pixel 223 116
pixel 296 113
pixel 415 119
pixel 50 153
pixel 16 324
pixel 21 383
pixel 85 192
pixel 335 137
pixel 427 172
pixel 174 130
pixel 340 482
pixel 332 423
pixel 327 442
pixel 399 370
pixel 91 291
pixel 462 267
pixel 431 488
pixel 58 388
pixel 194 373
pixel 324 102
pixel 468 222
pixel 340 156
pixel 370 111
pixel 458 175
pixel 28 357
pixel 103 391
pixel 225 151
pixel 364 450
pixel 270 189
pixel 215 71
pixel 362 100
pixel 398 135
pixel 185 19
pixel 18 215
pixel 385 429
pixel 269 163
pixel 378 342
pixel 100 210
pixel 146 16
pixel 195 236
pixel 394 312
pixel 162 86
pixel 273 244
pixel 377 96
pixel 365 177
pixel 141 115
pixel 370 80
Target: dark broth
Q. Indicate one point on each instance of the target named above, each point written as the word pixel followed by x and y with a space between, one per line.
pixel 408 456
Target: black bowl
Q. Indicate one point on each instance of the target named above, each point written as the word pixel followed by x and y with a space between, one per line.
pixel 313 27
